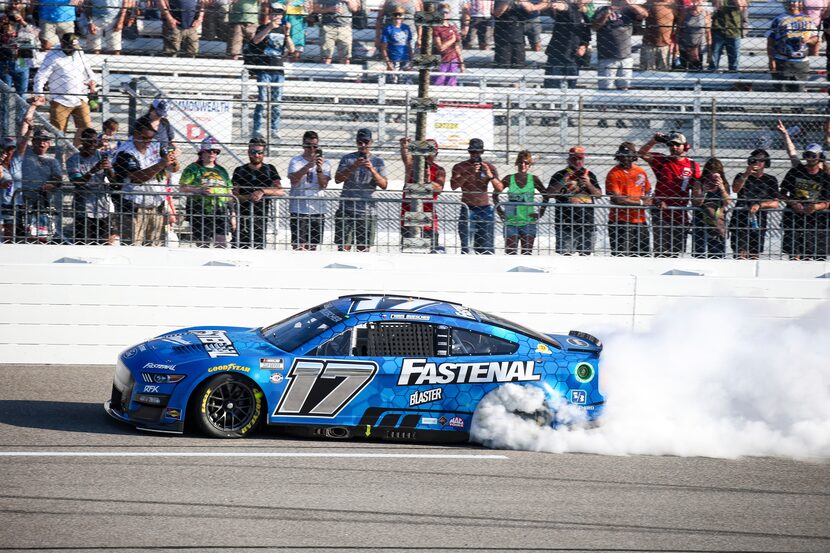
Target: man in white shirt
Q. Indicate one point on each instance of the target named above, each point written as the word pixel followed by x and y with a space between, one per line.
pixel 70 80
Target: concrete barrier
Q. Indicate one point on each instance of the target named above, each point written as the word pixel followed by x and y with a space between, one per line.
pixel 84 304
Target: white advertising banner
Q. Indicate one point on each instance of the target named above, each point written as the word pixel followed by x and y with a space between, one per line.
pixel 206 118
pixel 453 125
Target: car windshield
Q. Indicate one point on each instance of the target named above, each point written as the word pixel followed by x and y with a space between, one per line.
pixel 510 325
pixel 293 332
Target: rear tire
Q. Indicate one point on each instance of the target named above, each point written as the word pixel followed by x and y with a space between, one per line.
pixel 227 406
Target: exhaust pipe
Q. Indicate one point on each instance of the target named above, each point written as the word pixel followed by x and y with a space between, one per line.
pixel 339 432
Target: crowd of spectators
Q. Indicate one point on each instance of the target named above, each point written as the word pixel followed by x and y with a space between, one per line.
pixel 126 195
pixel 676 34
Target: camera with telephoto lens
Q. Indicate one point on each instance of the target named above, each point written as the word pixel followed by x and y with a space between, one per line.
pixel 660 138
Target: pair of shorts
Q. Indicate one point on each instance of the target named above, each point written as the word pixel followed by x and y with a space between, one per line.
pixel 306 229
pixel 336 38
pixel 52 32
pixel 519 230
pixel 533 31
pixel 106 39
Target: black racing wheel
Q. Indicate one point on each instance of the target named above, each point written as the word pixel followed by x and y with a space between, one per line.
pixel 227 406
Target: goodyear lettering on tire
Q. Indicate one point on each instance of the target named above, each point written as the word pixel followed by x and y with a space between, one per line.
pixel 204 400
pixel 257 411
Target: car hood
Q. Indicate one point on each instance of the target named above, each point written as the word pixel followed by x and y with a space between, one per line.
pixel 200 343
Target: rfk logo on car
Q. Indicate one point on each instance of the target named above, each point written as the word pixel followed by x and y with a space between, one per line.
pixel 323 387
pixel 417 371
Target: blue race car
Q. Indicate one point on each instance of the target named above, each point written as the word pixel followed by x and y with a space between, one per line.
pixel 367 365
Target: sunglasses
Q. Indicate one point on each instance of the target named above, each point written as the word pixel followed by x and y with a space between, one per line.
pixel 216 152
pixel 257 152
pixel 754 160
pixel 363 142
pixel 675 144
pixel 810 155
pixel 308 145
pixel 397 15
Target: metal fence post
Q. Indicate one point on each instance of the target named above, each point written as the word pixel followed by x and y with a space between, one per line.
pixel 697 113
pixel 244 95
pixel 713 129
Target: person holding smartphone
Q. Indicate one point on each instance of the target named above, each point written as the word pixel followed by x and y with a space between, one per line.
pixel 309 174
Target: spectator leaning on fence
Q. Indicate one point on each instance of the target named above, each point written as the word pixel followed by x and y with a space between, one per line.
pixel 182 24
pixel 265 53
pixel 627 185
pixel 106 22
pixel 142 169
pixel 67 73
pixel 252 184
pixel 575 189
pixel 728 22
pixel 90 170
pixel 519 213
pixel 710 195
pixel 210 202
pixel 436 177
pixel 309 174
pixel 694 36
pixel 675 175
pixel 476 220
pixel 336 28
pixel 655 53
pixel 788 41
pixel 569 43
pixel 361 173
pixel 806 191
pixel 757 192
pixel 614 25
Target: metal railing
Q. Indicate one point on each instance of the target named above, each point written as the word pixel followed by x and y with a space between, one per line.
pixel 376 225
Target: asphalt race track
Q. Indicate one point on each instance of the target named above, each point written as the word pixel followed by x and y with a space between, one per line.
pixel 73 479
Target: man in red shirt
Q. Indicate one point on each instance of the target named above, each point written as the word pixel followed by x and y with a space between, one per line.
pixel 627 185
pixel 675 174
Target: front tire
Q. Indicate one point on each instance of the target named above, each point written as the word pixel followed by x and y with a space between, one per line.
pixel 227 406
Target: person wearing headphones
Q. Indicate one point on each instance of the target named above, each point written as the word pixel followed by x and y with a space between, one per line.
pixel 675 175
pixel 628 186
pixel 806 191
pixel 757 191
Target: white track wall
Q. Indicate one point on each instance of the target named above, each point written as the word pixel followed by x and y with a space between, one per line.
pixel 78 304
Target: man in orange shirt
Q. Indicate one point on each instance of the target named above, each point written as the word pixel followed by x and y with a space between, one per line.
pixel 627 185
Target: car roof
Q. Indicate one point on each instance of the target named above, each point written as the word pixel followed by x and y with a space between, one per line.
pixel 362 303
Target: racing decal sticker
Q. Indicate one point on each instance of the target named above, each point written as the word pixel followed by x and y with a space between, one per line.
pixel 418 371
pixel 172 413
pixel 578 342
pixel 409 317
pixel 543 348
pixel 229 367
pixel 276 378
pixel 176 340
pixel 159 366
pixel 579 397
pixel 323 387
pixel 216 342
pixel 429 420
pixel 457 422
pixel 463 312
pixel 427 396
pixel 272 364
pixel 151 389
pixel 442 421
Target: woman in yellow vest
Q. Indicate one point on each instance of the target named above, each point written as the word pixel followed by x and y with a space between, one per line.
pixel 519 213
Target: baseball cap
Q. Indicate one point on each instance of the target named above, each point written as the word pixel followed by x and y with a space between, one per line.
pixel 277 7
pixel 160 105
pixel 8 142
pixel 626 149
pixel 399 10
pixel 209 144
pixel 363 134
pixel 476 145
pixel 677 137
pixel 41 134
pixel 813 149
pixel 577 151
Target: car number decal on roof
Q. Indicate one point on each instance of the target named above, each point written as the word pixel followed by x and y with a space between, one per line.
pixel 415 372
pixel 309 391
